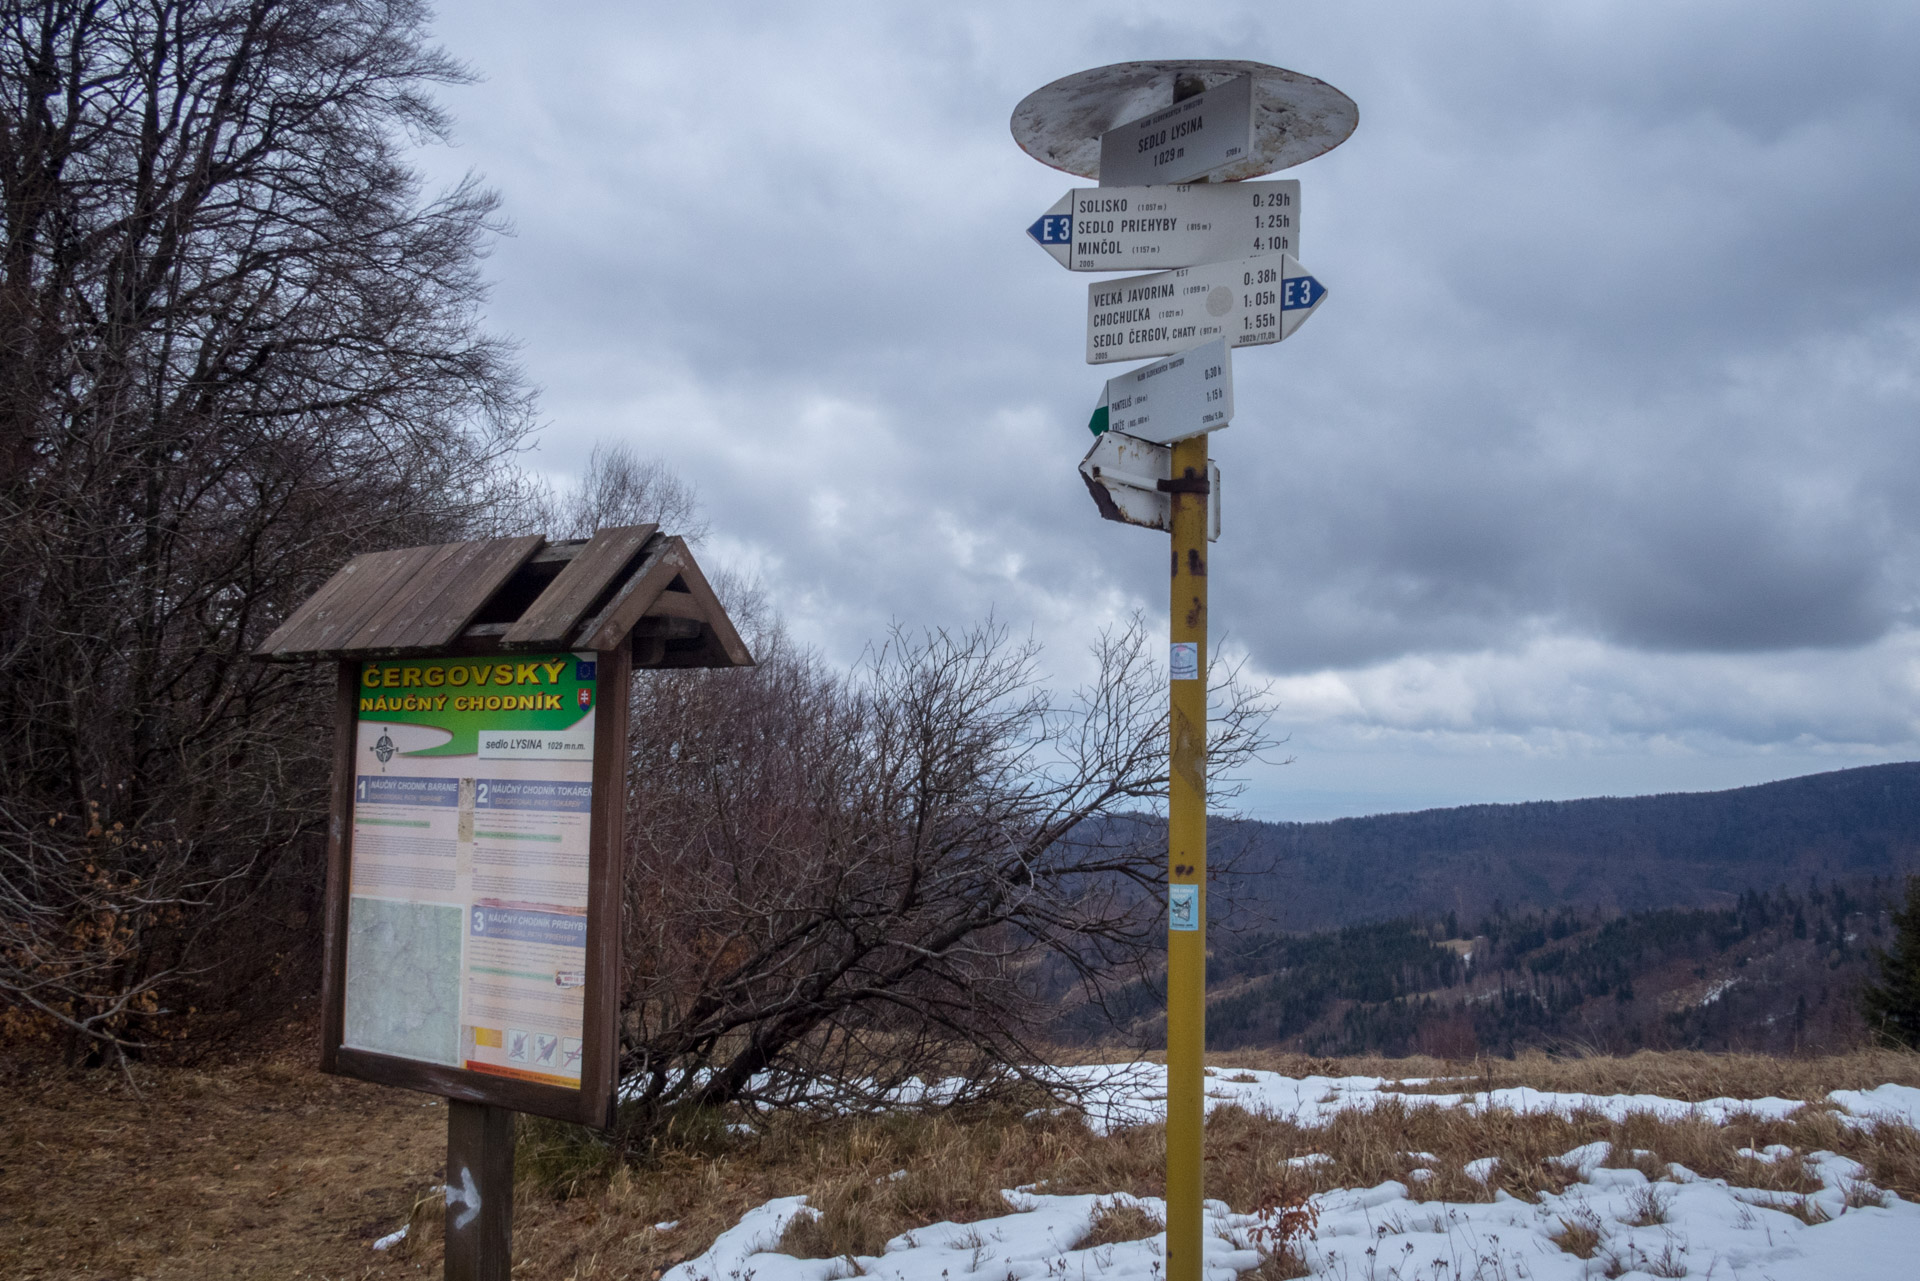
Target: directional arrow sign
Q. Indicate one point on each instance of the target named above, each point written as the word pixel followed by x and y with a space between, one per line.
pixel 1128 228
pixel 1247 302
pixel 1172 399
pixel 1193 137
pixel 1123 474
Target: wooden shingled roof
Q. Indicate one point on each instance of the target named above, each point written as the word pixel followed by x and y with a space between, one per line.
pixel 630 585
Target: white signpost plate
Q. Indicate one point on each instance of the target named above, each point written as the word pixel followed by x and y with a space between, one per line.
pixel 1184 395
pixel 1122 473
pixel 1130 228
pixel 1248 302
pixel 1188 140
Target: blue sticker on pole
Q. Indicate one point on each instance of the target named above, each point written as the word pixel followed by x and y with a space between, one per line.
pixel 1183 907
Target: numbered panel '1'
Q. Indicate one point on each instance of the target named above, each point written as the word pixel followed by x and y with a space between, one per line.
pixel 467 915
pixel 1247 302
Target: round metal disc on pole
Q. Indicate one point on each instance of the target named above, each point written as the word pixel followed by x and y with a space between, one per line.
pixel 1296 117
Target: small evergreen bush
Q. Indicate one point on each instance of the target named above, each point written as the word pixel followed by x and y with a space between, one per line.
pixel 1892 1006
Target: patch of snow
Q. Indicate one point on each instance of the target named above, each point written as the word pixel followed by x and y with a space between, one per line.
pixel 1119 1095
pixel 1717 991
pixel 1881 1103
pixel 1585 1159
pixel 1771 1154
pixel 1712 1229
pixel 392 1239
pixel 668 1226
pixel 758 1231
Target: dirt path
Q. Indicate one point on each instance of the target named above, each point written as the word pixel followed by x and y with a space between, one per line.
pixel 271 1171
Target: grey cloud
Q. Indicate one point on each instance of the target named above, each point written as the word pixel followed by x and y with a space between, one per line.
pixel 1622 342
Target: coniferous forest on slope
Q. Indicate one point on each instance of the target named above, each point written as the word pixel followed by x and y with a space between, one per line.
pixel 1744 919
pixel 1778 971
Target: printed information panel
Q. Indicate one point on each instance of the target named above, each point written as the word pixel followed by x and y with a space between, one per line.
pixel 467 908
pixel 1133 228
pixel 1249 302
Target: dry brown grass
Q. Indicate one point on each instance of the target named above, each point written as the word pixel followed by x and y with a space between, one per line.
pixel 1115 1222
pixel 268 1169
pixel 1650 1206
pixel 282 1172
pixel 1579 1233
pixel 1685 1075
pixel 1368 1148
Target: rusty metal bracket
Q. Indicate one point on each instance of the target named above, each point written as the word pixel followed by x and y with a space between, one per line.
pixel 1184 485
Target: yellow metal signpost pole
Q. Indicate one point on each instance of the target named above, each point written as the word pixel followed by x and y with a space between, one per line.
pixel 1187 846
pixel 1187 860
pixel 1265 119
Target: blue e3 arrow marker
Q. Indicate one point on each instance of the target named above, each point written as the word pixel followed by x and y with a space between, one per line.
pixel 1052 229
pixel 1300 292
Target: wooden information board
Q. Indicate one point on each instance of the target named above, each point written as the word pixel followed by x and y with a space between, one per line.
pixel 479 870
pixel 475 840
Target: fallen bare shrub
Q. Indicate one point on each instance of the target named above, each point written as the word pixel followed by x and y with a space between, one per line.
pixel 840 887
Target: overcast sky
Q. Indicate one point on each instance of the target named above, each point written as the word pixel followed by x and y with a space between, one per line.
pixel 1595 473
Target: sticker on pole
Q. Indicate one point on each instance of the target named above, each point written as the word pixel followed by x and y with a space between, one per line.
pixel 1183 907
pixel 1249 302
pixel 1183 663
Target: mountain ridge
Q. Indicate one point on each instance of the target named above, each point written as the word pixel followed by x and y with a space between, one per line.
pixel 1622 854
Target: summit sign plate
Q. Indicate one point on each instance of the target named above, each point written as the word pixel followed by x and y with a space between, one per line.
pixel 1188 140
pixel 1131 228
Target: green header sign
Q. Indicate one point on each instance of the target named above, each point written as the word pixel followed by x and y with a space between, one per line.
pixel 465 696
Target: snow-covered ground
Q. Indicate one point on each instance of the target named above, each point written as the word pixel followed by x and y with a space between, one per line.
pixel 1688 1226
pixel 1135 1094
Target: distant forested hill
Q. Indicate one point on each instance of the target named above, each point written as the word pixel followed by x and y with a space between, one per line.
pixel 1700 849
pixel 1776 972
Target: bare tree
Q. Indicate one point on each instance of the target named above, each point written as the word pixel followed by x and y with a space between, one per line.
pixel 238 343
pixel 838 884
pixel 621 488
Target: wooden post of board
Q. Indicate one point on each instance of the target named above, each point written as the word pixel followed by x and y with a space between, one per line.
pixel 479 1191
